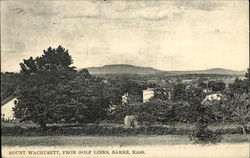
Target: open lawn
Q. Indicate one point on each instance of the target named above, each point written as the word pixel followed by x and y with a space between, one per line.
pixel 110 140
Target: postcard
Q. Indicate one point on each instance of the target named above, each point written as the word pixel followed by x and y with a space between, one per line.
pixel 125 78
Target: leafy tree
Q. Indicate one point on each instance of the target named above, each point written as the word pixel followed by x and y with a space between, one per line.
pixel 202 85
pixel 217 85
pixel 9 84
pixel 89 92
pixel 40 79
pixel 132 99
pixel 163 92
pixel 183 112
pixel 179 92
pixel 194 95
pixel 238 87
pixel 201 132
pixel 118 112
pixel 155 110
pixel 220 112
pixel 240 107
pixel 116 88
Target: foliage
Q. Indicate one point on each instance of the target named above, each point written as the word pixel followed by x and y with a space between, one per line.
pixel 9 84
pixel 163 92
pixel 202 84
pixel 41 78
pixel 164 112
pixel 118 112
pixel 89 92
pixel 201 133
pixel 179 92
pixel 151 112
pixel 82 130
pixel 240 107
pixel 218 110
pixel 116 88
pixel 238 87
pixel 52 91
pixel 217 85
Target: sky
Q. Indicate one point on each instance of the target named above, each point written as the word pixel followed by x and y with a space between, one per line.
pixel 166 35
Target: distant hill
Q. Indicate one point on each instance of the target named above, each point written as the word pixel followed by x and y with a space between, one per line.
pixel 122 69
pixel 224 71
pixel 220 71
pixel 130 69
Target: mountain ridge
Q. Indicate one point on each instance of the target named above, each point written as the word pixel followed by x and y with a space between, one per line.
pixel 122 69
pixel 131 69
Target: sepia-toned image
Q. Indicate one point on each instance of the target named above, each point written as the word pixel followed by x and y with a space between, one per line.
pixel 125 78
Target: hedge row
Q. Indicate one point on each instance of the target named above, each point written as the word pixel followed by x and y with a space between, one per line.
pixel 102 131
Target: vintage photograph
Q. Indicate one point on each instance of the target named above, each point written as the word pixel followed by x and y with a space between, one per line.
pixel 125 78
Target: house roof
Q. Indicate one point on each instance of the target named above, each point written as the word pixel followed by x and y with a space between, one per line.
pixel 6 100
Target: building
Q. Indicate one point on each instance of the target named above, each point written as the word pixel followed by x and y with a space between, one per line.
pixel 125 98
pixel 130 120
pixel 207 90
pixel 213 96
pixel 147 94
pixel 7 105
pixel 187 80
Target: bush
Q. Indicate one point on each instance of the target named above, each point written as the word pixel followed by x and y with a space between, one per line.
pixel 204 136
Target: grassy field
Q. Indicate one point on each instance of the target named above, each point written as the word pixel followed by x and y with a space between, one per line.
pixel 110 140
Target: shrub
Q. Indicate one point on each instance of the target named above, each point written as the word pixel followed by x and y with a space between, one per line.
pixel 203 135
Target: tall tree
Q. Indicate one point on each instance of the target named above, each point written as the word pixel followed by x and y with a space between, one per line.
pixel 217 85
pixel 9 84
pixel 40 78
pixel 238 87
pixel 90 94
pixel 179 92
pixel 240 107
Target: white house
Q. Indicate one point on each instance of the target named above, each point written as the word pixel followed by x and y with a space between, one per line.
pixel 207 90
pixel 213 96
pixel 147 94
pixel 7 105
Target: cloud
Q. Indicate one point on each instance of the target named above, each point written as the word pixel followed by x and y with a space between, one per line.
pixel 118 10
pixel 33 12
pixel 199 5
pixel 161 34
pixel 18 11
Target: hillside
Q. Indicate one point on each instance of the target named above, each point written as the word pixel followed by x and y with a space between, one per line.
pixel 122 69
pixel 130 69
pixel 220 71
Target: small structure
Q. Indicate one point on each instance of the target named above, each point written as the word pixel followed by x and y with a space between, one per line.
pixel 7 105
pixel 213 96
pixel 147 94
pixel 207 90
pixel 125 98
pixel 187 80
pixel 130 120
